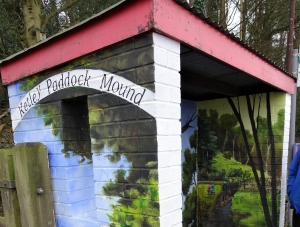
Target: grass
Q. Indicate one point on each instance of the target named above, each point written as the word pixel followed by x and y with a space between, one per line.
pixel 227 164
pixel 202 192
pixel 205 200
pixel 246 205
pixel 252 213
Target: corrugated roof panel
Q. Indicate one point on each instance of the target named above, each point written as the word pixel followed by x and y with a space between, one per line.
pixel 218 27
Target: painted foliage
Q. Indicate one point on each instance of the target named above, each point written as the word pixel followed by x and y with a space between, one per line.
pixel 188 157
pixel 238 160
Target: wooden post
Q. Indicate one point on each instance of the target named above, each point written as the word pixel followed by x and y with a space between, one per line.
pixel 33 185
pixel 8 191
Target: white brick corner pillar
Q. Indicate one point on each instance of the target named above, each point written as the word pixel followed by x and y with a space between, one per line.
pixel 168 114
pixel 285 153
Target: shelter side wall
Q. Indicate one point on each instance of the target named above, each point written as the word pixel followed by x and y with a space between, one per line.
pixel 243 143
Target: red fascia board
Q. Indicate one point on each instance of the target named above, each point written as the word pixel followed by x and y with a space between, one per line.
pixel 114 26
pixel 174 21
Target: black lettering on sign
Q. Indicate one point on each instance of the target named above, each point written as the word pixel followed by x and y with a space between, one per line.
pixel 66 81
pixel 109 83
pixel 31 99
pixel 131 94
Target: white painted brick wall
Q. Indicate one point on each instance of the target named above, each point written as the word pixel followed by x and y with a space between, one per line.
pixel 168 143
pixel 168 126
pixel 285 158
pixel 166 43
pixel 170 189
pixel 169 158
pixel 167 93
pixel 168 110
pixel 169 174
pixel 168 114
pixel 170 205
pixel 166 76
pixel 173 219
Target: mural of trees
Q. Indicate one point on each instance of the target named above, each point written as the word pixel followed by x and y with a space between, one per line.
pixel 261 129
pixel 207 145
pixel 243 147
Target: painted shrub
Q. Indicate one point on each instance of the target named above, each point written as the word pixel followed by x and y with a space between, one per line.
pixel 124 138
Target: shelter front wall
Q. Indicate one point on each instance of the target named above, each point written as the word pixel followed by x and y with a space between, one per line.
pixel 243 144
pixel 102 147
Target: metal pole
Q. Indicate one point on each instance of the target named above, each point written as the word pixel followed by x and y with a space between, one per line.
pixel 294 71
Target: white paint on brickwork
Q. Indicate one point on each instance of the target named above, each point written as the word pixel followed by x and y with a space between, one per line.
pixel 165 57
pixel 169 174
pixel 165 76
pixel 285 153
pixel 172 219
pixel 168 159
pixel 168 114
pixel 94 79
pixel 169 190
pixel 167 126
pixel 166 43
pixel 167 93
pixel 170 205
pixel 168 143
pixel 167 110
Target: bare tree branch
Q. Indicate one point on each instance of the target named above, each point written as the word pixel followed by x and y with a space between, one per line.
pixel 58 11
pixel 187 124
pixel 4 114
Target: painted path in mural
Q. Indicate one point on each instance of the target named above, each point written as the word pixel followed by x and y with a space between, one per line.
pixel 220 214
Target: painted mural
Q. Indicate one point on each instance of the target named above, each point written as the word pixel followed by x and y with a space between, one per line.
pixel 188 157
pixel 100 133
pixel 124 138
pixel 238 158
pixel 113 136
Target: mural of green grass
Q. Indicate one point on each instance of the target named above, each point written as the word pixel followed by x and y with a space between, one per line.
pixel 222 163
pixel 252 214
pixel 206 200
pixel 202 192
